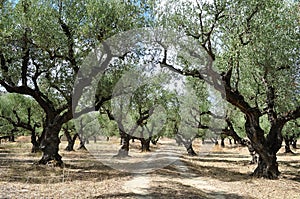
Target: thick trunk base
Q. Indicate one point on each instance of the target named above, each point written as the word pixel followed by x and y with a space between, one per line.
pixel 254 159
pixel 190 150
pixel 54 160
pixel 222 142
pixel 145 145
pixel 124 150
pixel 267 170
pixel 50 148
pixel 287 146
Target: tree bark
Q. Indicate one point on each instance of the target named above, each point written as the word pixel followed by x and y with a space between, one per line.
pixel 267 167
pixel 35 144
pixel 50 145
pixel 71 141
pixel 187 143
pixel 190 149
pixel 265 147
pixel 222 142
pixel 82 146
pixel 124 150
pixel 251 150
pixel 229 131
pixel 287 147
pixel 82 142
pixel 145 144
pixel 11 138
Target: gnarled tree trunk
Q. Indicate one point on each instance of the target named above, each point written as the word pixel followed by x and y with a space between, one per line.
pixel 124 150
pixel 265 147
pixel 187 143
pixel 71 141
pixel 50 144
pixel 267 167
pixel 145 144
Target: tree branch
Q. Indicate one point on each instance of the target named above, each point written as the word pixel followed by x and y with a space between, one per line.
pixel 248 27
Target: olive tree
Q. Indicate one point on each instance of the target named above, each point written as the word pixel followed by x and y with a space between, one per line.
pixel 254 48
pixel 43 44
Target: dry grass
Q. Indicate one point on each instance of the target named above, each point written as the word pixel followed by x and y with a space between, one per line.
pixel 223 173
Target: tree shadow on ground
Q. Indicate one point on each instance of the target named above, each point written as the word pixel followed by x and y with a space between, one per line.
pixel 175 190
pixel 221 174
pixel 292 173
pixel 288 154
pixel 227 155
pixel 26 171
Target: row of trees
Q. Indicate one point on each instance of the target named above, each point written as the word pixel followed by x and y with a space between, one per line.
pixel 51 54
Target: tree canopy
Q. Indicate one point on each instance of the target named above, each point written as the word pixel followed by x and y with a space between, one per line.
pixel 212 66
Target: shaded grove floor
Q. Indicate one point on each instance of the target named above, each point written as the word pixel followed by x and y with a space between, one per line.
pixel 221 173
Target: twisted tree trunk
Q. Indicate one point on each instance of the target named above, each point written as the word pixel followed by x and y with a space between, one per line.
pixel 145 144
pixel 71 141
pixel 187 143
pixel 265 147
pixel 50 143
pixel 82 142
pixel 125 138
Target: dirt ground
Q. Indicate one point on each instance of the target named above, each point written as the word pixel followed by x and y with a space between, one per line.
pixel 166 172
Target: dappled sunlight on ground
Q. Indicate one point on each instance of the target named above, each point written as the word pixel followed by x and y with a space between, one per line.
pixel 221 173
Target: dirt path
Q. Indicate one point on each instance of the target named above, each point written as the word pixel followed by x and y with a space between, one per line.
pixel 139 185
pixel 145 185
pixel 223 173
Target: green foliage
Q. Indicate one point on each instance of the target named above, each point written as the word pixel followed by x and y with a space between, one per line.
pixel 15 107
pixel 292 129
pixel 258 40
pixel 107 127
pixel 45 42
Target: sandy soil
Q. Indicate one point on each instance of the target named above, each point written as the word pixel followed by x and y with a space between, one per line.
pixel 166 172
